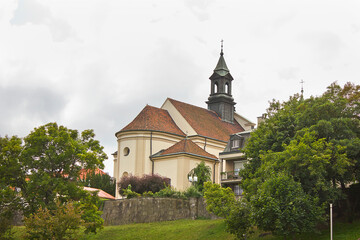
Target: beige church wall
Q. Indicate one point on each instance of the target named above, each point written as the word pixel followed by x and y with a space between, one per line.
pixel 168 168
pixel 178 118
pixel 177 168
pixel 138 161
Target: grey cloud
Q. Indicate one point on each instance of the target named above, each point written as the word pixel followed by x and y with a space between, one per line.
pixel 30 11
pixel 28 104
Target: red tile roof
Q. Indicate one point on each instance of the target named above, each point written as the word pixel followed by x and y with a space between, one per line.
pixel 156 119
pixel 186 146
pixel 206 122
pixel 101 193
pixel 84 172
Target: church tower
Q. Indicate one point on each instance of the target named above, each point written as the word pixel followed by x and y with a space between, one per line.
pixel 220 99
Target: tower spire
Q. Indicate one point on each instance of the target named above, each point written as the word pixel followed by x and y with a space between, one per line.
pixel 302 87
pixel 220 99
pixel 222 46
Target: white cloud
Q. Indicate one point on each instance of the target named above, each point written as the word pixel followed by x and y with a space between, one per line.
pixel 95 64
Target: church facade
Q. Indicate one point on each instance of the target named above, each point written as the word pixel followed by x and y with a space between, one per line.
pixel 173 139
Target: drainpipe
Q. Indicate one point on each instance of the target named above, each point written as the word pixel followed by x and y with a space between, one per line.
pixel 205 144
pixel 152 161
pixel 214 171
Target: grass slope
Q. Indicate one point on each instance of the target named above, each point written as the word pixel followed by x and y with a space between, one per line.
pixel 200 229
pixel 180 229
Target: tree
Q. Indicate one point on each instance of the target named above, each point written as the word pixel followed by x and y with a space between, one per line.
pixel 219 200
pixel 282 207
pixel 100 181
pixel 315 140
pixel 53 156
pixel 203 174
pixel 239 222
pixel 11 175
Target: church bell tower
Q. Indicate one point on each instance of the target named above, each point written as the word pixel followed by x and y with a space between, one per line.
pixel 220 99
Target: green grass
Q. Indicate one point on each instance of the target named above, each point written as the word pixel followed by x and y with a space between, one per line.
pixel 201 229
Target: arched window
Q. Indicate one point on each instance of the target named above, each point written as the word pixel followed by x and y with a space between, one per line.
pixel 216 86
pixel 227 88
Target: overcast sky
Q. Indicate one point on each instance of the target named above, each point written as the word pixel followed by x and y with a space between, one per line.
pixel 94 64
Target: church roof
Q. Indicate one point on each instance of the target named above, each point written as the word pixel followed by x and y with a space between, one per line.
pixel 155 119
pixel 206 122
pixel 186 146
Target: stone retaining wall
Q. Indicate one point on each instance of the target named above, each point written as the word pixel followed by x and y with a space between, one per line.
pixel 142 210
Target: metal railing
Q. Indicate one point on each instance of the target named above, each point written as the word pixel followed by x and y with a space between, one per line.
pixel 230 175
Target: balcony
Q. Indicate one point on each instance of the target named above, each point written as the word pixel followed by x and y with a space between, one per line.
pixel 230 176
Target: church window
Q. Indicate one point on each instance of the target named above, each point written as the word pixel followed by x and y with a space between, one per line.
pixel 216 87
pixel 126 151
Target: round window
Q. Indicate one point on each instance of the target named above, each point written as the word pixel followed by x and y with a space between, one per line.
pixel 126 151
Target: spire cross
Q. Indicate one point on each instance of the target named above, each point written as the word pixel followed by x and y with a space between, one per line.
pixel 222 46
pixel 302 87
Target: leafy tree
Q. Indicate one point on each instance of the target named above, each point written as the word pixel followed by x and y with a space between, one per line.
pixel 100 181
pixel 239 222
pixel 53 156
pixel 316 141
pixel 282 207
pixel 203 174
pixel 219 200
pixel 11 175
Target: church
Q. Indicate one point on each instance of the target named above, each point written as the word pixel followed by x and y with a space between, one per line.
pixel 173 139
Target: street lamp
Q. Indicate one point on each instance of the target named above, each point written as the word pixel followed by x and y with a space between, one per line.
pixel 193 179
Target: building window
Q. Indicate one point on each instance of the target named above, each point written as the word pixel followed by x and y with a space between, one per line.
pixel 126 151
pixel 227 89
pixel 238 165
pixel 237 190
pixel 216 86
pixel 235 143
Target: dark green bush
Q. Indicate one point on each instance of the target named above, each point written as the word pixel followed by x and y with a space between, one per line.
pixel 153 183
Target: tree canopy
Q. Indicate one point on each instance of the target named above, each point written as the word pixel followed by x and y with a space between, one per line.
pixel 45 167
pixel 314 144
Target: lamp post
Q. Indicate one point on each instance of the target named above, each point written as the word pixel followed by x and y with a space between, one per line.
pixel 193 179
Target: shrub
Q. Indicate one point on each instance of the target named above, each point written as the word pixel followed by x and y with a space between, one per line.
pixel 61 223
pixel 153 183
pixel 170 193
pixel 219 200
pixel 129 193
pixel 89 206
pixel 148 194
pixel 239 221
pixel 192 192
